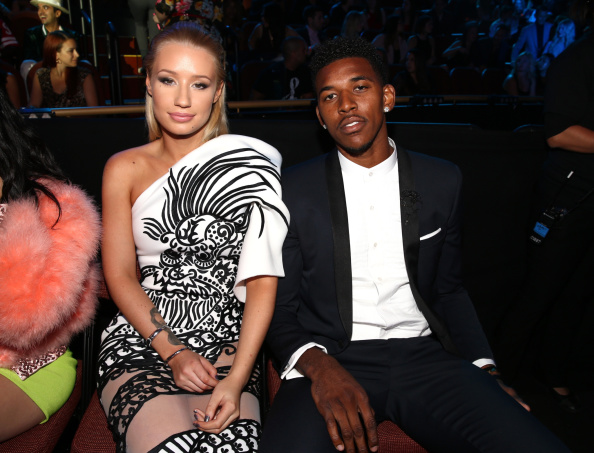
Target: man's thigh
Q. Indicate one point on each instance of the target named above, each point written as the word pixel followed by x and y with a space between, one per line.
pixel 294 424
pixel 449 405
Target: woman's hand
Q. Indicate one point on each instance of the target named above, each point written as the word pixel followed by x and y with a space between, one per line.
pixel 223 407
pixel 193 372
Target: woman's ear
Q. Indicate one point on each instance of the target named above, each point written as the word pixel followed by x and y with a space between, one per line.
pixel 218 92
pixel 149 89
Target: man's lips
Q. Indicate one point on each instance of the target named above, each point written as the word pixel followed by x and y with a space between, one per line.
pixel 352 123
pixel 181 117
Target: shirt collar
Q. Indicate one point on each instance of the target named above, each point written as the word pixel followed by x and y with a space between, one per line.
pixel 351 168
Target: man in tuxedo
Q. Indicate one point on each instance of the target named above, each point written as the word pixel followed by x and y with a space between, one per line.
pixel 372 322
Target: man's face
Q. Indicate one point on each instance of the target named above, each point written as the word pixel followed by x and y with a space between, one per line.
pixel 351 101
pixel 48 14
pixel 317 21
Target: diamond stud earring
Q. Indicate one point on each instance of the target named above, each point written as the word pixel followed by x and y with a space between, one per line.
pixel 324 126
pixel 386 109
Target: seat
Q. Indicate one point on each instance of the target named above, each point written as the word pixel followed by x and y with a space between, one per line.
pixel 466 80
pixel 93 433
pixel 31 75
pixel 440 80
pixel 493 80
pixel 43 438
pixel 391 438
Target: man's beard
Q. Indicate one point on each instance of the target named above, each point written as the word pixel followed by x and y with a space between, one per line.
pixel 356 152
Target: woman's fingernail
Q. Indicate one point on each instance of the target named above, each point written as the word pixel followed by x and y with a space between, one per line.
pixel 195 411
pixel 206 418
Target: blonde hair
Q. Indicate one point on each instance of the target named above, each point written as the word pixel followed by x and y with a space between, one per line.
pixel 190 34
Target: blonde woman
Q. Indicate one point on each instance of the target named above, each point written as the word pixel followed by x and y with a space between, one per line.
pixel 200 210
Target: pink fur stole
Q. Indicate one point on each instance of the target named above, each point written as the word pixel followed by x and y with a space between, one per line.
pixel 48 275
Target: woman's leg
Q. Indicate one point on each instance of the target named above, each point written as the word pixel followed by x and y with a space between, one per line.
pixel 19 413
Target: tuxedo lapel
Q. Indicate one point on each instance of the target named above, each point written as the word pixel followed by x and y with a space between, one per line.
pixel 343 279
pixel 410 203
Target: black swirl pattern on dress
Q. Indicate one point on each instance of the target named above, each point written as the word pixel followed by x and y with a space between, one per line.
pixel 203 221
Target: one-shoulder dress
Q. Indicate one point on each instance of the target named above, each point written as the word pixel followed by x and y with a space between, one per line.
pixel 213 221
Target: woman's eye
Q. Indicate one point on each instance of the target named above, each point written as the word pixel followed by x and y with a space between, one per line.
pixel 166 80
pixel 200 85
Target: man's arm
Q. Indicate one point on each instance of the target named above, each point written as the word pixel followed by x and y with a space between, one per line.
pixel 575 138
pixel 341 401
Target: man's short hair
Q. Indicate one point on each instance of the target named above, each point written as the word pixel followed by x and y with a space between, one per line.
pixel 340 48
pixel 310 11
pixel 291 44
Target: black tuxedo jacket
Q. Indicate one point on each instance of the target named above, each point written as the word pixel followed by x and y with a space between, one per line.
pixel 314 300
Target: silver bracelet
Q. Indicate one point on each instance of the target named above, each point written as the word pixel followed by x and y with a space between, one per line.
pixel 175 353
pixel 155 333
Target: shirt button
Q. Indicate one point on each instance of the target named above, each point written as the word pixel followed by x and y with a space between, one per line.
pixel 375 244
pixel 371 208
pixel 370 173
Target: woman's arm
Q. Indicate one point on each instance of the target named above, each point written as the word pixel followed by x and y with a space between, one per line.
pixel 451 51
pixel 36 96
pixel 257 314
pixel 255 37
pixel 90 91
pixel 12 87
pixel 191 371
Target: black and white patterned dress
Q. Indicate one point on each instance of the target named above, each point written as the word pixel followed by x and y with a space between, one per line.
pixel 213 221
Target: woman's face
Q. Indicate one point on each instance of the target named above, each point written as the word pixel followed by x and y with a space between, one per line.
pixel 410 62
pixel 68 56
pixel 184 87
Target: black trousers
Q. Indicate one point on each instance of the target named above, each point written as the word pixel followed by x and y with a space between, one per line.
pixel 443 402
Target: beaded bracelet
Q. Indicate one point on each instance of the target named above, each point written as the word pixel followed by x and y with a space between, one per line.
pixel 175 353
pixel 155 333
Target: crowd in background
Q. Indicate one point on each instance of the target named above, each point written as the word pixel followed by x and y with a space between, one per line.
pixel 422 41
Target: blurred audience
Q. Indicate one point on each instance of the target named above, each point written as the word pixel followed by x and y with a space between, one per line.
pixel 49 12
pixel 313 33
pixel 414 79
pixel 60 82
pixel 521 81
pixel 268 35
pixel 287 79
pixel 144 25
pixel 9 83
pixel 464 51
pixel 392 40
pixel 423 40
pixel 353 25
pixel 534 37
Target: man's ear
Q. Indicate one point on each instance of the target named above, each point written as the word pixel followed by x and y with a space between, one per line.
pixel 322 123
pixel 149 88
pixel 389 96
pixel 58 12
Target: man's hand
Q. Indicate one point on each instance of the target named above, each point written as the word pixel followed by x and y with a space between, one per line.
pixel 342 402
pixel 492 370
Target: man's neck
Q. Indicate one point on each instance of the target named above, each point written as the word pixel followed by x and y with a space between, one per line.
pixel 52 27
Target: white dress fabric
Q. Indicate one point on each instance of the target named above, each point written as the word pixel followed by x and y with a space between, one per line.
pixel 201 230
